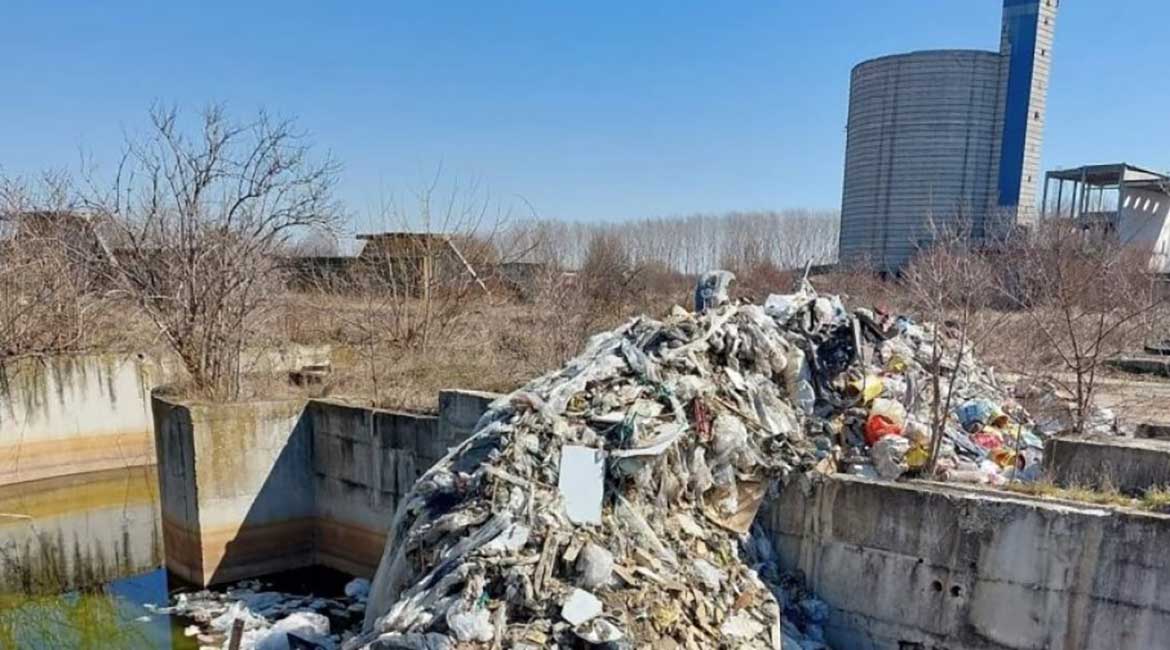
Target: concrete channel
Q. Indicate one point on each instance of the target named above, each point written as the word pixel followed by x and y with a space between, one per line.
pixel 248 489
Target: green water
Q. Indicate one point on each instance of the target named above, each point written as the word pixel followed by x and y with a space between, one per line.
pixel 112 616
pixel 60 536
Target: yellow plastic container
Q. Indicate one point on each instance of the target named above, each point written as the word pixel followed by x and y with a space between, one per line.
pixel 917 456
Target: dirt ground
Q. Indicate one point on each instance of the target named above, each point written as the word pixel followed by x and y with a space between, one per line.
pixel 1136 399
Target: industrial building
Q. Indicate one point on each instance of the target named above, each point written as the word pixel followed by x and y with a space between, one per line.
pixel 945 135
pixel 1129 202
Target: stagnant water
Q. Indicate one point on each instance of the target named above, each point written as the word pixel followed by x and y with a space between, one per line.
pixel 111 615
pixel 80 560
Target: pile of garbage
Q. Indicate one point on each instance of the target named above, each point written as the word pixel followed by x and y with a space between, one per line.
pixel 610 504
pixel 878 387
pixel 272 620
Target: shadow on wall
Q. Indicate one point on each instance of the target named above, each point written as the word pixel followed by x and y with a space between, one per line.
pixel 276 532
pixel 231 476
pixel 250 489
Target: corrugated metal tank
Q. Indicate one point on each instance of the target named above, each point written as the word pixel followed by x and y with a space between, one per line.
pixel 923 140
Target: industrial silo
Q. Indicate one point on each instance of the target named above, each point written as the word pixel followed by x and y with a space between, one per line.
pixel 942 135
pixel 922 144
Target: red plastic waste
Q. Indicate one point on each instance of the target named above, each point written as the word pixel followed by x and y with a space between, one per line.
pixel 878 427
pixel 987 440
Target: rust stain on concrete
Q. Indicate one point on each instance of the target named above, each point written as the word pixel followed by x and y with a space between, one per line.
pixel 42 459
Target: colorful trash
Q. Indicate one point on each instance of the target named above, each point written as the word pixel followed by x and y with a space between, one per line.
pixel 977 413
pixel 988 438
pixel 917 457
pixel 868 388
pixel 878 427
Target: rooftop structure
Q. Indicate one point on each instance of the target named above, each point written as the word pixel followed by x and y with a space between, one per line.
pixel 1130 201
pixel 944 136
pixel 421 259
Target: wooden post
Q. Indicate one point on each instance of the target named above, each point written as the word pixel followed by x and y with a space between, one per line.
pixel 237 634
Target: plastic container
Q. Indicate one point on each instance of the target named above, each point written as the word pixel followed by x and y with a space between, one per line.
pixel 917 456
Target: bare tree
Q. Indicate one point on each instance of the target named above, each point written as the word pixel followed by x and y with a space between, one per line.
pixel 1085 295
pixel 697 243
pixel 950 285
pixel 196 217
pixel 427 264
pixel 606 270
pixel 431 256
pixel 48 301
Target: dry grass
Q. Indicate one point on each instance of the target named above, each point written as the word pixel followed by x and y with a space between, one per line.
pixel 497 343
pixel 1155 499
pixel 494 344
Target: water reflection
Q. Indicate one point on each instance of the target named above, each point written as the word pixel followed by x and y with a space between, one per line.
pixel 79 559
pixel 76 531
pixel 111 617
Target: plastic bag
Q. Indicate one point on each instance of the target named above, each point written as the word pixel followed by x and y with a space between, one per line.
pixel 917 457
pixel 889 456
pixel 798 376
pixel 878 427
pixel 886 418
pixel 989 439
pixel 978 413
pixel 711 291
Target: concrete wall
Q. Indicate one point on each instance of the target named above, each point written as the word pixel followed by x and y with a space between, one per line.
pixel 363 460
pixel 1144 223
pixel 903 566
pixel 459 411
pixel 236 499
pixel 1131 466
pixel 74 414
pixel 249 489
pixel 921 566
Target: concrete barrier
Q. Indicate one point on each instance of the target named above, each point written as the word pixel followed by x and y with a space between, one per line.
pixel 1129 465
pixel 73 414
pixel 254 488
pixel 236 489
pixel 459 411
pixel 366 460
pixel 363 461
pixel 903 566
pixel 908 566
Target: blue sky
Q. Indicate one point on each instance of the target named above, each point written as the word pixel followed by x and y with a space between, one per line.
pixel 589 110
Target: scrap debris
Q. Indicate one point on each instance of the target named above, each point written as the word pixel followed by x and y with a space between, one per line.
pixel 610 504
pixel 271 619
